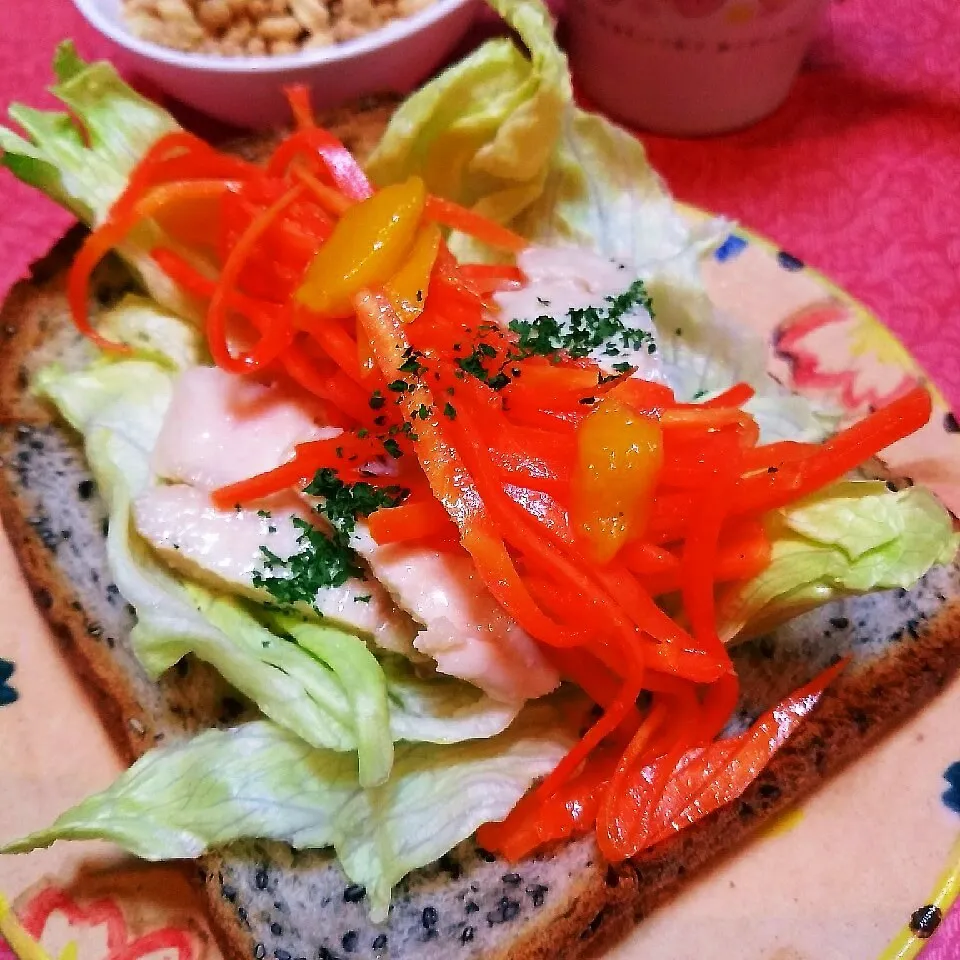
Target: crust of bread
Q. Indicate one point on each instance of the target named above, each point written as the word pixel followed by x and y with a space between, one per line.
pixel 23 323
pixel 865 704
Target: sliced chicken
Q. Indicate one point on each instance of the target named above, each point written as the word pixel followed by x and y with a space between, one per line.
pixel 221 428
pixel 223 549
pixel 466 631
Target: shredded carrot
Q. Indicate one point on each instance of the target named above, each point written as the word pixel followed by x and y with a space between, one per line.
pixel 280 335
pixel 340 347
pixel 426 520
pixel 485 439
pixel 736 396
pixel 298 96
pixel 476 225
pixel 334 202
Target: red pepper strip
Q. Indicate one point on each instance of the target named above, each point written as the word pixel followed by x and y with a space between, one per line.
pixel 284 477
pixel 195 283
pixel 535 459
pixel 111 234
pixel 589 673
pixel 673 651
pixel 331 200
pixel 308 458
pixel 487 231
pixel 709 778
pixel 337 344
pixel 837 456
pixel 612 717
pixel 739 558
pixel 336 162
pixel 451 286
pixel 570 812
pixel 452 485
pixel 182 273
pixel 776 455
pixel 296 473
pixel 544 509
pixel 562 422
pixel 718 705
pixel 644 396
pixel 474 272
pixel 645 558
pixel 564 606
pixel 670 516
pixel 95 247
pixel 688 477
pixel 203 165
pixel 699 558
pixel 570 386
pixel 334 387
pixel 425 520
pixel 180 156
pixel 615 823
pixel 736 396
pixel 700 417
pixel 298 96
pixel 279 335
pixel 486 279
pixel 192 159
pixel 690 456
pixel 365 357
pixel 543 378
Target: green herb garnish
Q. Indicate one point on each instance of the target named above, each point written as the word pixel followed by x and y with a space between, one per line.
pixel 324 558
pixel 587 328
pixel 322 561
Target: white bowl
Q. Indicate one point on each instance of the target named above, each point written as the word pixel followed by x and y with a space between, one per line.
pixel 248 91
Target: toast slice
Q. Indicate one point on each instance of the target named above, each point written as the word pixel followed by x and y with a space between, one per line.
pixel 266 901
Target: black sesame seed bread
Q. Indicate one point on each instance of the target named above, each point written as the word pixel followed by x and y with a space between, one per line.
pixel 267 901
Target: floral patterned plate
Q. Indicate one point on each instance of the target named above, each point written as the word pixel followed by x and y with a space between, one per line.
pixel 866 869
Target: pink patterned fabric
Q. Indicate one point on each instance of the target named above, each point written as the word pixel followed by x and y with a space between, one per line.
pixel 945 943
pixel 857 175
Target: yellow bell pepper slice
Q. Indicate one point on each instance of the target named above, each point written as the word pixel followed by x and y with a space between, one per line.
pixel 619 457
pixel 368 246
pixel 407 288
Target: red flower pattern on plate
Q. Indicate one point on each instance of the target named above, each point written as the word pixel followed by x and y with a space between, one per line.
pixel 830 351
pixel 168 943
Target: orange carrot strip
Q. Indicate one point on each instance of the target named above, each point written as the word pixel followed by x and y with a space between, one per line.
pixel 451 214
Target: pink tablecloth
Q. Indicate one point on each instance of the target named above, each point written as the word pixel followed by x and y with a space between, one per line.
pixel 858 174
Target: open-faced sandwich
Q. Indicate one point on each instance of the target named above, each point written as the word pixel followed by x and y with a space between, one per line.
pixel 410 503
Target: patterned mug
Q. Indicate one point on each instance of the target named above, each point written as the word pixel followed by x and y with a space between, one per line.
pixel 689 67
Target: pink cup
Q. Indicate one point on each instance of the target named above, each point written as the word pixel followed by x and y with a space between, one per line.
pixel 689 67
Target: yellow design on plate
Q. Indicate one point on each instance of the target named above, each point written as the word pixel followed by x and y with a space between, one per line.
pixel 907 945
pixel 21 943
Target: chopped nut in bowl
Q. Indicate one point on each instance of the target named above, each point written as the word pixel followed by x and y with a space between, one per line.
pixel 232 58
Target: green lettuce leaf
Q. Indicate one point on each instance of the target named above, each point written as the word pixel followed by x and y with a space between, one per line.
pixel 261 781
pixel 855 537
pixel 85 167
pixel 153 333
pixel 119 407
pixel 484 131
pixel 322 683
